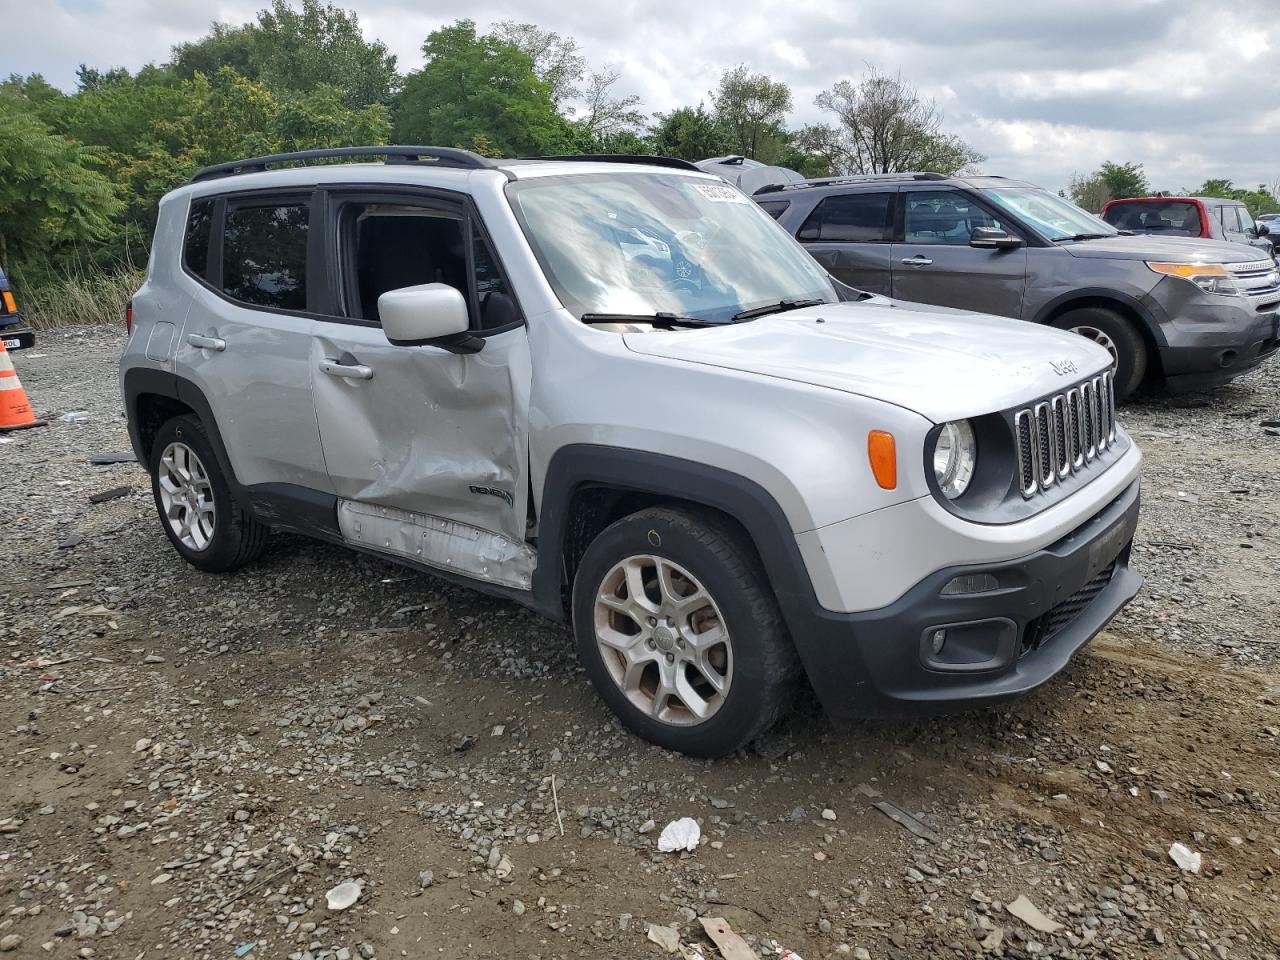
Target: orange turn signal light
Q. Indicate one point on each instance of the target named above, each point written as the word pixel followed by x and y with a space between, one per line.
pixel 883 454
pixel 9 305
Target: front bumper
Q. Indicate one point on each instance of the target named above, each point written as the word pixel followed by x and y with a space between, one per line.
pixel 999 644
pixel 1209 340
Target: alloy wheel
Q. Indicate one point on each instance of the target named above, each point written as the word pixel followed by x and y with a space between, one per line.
pixel 186 496
pixel 663 640
pixel 1098 337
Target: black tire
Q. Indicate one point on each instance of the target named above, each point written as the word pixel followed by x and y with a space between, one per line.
pixel 765 669
pixel 237 537
pixel 1128 347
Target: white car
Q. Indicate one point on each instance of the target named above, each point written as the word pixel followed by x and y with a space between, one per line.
pixel 619 393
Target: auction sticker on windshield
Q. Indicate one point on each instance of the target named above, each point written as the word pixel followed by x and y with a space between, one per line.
pixel 721 193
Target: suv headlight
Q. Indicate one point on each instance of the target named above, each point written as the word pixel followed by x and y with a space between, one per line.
pixel 955 454
pixel 1209 277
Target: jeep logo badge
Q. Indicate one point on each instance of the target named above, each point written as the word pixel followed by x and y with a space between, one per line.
pixel 1063 367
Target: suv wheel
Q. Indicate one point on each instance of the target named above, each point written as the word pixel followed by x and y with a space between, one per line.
pixel 194 501
pixel 1110 330
pixel 680 632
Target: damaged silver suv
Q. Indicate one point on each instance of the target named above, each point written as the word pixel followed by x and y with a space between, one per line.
pixel 615 390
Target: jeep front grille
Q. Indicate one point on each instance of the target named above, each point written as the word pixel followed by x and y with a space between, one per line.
pixel 1064 434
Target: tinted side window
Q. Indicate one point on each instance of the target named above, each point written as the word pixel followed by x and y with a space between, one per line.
pixel 855 217
pixel 497 305
pixel 774 208
pixel 195 245
pixel 943 216
pixel 264 255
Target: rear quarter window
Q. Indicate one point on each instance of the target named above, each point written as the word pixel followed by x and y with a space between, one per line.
pixel 195 243
pixel 775 208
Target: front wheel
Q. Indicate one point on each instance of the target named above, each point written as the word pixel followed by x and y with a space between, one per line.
pixel 680 633
pixel 1118 337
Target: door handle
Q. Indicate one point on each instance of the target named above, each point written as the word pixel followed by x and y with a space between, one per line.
pixel 917 261
pixel 216 344
pixel 351 371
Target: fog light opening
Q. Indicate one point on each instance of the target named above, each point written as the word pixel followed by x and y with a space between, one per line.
pixel 1228 358
pixel 937 640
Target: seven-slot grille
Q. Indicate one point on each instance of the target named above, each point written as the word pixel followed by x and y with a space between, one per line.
pixel 1064 434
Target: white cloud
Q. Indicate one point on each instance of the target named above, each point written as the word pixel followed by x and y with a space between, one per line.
pixel 1043 89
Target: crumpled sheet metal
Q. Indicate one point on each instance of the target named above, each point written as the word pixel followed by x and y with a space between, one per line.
pixel 438 542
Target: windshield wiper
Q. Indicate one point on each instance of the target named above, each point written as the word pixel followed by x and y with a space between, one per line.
pixel 1084 236
pixel 779 307
pixel 657 319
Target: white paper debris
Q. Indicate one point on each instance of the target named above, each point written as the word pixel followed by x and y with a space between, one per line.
pixel 1185 858
pixel 665 937
pixel 344 895
pixel 1030 914
pixel 682 834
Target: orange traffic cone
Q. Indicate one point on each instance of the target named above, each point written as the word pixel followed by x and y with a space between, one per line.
pixel 15 408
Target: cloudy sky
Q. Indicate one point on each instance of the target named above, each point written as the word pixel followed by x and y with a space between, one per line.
pixel 1045 88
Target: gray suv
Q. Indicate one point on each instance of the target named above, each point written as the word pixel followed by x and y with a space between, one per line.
pixel 1194 312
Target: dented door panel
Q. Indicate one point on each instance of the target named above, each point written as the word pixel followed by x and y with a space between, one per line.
pixel 430 432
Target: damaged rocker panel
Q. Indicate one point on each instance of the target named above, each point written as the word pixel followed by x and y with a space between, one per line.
pixel 438 542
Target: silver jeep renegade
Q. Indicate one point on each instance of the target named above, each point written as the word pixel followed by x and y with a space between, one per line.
pixel 615 390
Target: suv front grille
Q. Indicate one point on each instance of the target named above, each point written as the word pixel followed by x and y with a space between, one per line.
pixel 1064 434
pixel 1259 278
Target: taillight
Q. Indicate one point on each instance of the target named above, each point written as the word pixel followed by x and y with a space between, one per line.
pixel 10 306
pixel 128 317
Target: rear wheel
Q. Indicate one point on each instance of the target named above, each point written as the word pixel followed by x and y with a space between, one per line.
pixel 680 633
pixel 1118 336
pixel 199 516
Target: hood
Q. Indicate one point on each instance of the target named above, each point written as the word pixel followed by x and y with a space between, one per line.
pixel 943 364
pixel 749 175
pixel 1166 249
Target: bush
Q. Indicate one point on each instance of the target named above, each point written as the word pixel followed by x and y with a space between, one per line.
pixel 82 297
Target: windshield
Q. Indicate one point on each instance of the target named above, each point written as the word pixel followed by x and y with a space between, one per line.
pixel 648 243
pixel 1050 215
pixel 1176 218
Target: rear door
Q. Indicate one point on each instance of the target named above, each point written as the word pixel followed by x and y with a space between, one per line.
pixel 933 262
pixel 427 449
pixel 246 342
pixel 850 235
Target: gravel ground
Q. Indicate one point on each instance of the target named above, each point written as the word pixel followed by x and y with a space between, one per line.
pixel 191 762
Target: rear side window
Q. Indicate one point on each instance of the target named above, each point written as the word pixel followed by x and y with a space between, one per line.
pixel 854 217
pixel 774 208
pixel 264 255
pixel 195 245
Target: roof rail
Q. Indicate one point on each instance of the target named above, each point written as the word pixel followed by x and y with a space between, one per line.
pixel 439 156
pixel 623 158
pixel 853 178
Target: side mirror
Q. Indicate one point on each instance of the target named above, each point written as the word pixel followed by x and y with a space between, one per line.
pixel 993 238
pixel 430 313
pixel 1263 230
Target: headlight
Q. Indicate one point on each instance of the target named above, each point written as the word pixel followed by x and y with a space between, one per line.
pixel 1209 277
pixel 954 456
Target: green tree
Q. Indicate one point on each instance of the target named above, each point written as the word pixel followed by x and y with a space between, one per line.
pixel 1124 180
pixel 689 133
pixel 473 85
pixel 556 59
pixel 1089 192
pixel 294 51
pixel 751 107
pixel 52 196
pixel 884 125
pixel 605 116
pixel 322 118
pixel 1259 201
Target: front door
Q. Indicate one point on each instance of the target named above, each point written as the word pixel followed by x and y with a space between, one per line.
pixel 933 262
pixel 427 449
